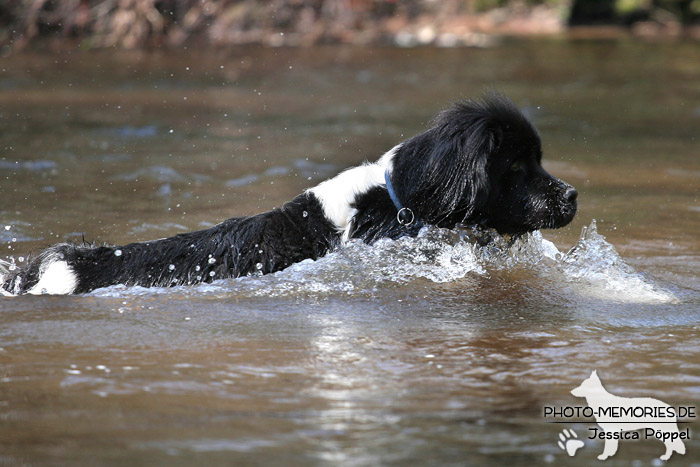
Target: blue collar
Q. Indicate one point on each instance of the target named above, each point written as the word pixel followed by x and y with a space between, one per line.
pixel 404 215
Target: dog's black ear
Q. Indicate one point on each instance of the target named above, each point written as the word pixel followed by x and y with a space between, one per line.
pixel 443 173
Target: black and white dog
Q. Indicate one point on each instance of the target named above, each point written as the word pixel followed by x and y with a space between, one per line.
pixel 480 164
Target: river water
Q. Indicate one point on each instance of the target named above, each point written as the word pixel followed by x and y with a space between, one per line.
pixel 418 351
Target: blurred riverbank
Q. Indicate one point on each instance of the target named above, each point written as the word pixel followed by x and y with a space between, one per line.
pixel 131 24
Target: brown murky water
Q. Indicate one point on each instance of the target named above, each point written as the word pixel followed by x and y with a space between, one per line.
pixel 414 352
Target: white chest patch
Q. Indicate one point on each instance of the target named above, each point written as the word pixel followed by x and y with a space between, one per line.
pixel 338 194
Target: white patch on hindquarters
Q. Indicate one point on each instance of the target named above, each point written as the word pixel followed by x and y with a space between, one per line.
pixel 57 278
pixel 337 194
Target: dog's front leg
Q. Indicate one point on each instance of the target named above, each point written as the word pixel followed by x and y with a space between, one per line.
pixel 609 449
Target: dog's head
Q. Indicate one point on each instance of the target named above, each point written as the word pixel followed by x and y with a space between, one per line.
pixel 481 164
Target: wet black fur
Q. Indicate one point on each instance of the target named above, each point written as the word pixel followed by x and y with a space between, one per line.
pixel 479 164
pixel 264 243
pixel 463 171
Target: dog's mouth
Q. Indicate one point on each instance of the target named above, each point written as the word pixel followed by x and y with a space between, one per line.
pixel 563 217
pixel 547 217
pixel 565 209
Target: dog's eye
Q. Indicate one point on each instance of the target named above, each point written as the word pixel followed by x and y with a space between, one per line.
pixel 516 166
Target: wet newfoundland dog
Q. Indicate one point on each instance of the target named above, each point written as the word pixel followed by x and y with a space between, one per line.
pixel 479 165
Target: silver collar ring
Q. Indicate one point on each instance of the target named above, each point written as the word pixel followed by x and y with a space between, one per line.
pixel 405 216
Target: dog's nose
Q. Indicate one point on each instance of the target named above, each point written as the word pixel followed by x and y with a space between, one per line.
pixel 571 194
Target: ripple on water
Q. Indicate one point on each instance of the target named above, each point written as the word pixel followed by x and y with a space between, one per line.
pixel 305 168
pixel 34 166
pixel 162 174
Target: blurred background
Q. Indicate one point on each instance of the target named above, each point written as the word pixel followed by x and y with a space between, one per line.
pixel 141 23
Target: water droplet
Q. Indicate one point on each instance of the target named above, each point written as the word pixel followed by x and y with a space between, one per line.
pixel 199 278
pixel 212 260
pixel 21 259
pixel 197 268
pixel 212 274
pixel 305 214
pixel 117 252
pixel 8 227
pixel 171 267
pixel 258 266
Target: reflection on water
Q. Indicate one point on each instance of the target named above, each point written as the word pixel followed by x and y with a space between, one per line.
pixel 427 350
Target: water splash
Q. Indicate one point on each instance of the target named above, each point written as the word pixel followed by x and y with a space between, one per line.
pixel 597 270
pixel 6 267
pixel 592 268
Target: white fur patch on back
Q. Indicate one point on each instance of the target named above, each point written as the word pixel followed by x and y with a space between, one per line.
pixel 56 279
pixel 337 194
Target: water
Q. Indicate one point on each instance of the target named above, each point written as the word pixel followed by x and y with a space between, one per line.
pixel 427 351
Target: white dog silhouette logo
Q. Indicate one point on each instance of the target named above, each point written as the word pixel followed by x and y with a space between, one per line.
pixel 619 415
